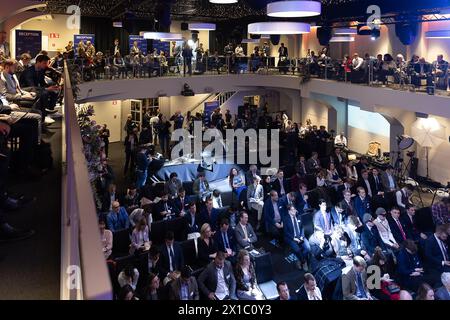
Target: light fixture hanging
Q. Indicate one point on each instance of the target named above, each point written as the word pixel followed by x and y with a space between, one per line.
pixel 438 34
pixel 161 35
pixel 271 28
pixel 294 9
pixel 346 31
pixel 342 39
pixel 202 26
pixel 223 1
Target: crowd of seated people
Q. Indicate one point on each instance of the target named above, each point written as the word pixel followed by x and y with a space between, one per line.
pixel 29 91
pixel 357 213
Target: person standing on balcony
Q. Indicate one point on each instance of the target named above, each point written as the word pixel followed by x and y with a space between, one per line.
pixel 187 58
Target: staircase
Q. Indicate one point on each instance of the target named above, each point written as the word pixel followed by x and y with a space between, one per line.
pixel 221 97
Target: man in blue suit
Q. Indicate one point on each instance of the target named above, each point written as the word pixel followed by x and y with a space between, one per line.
pixel 322 219
pixel 192 219
pixel 362 203
pixel 370 237
pixel 436 252
pixel 287 199
pixel 225 240
pixel 301 198
pixel 294 236
pixel 272 216
pixel 180 203
pixel 117 219
pixel 210 215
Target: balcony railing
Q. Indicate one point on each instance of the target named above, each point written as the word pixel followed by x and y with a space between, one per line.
pixel 84 273
pixel 329 69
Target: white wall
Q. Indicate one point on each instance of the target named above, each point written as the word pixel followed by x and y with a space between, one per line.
pixel 56 25
pixel 438 158
pixel 109 113
pixel 316 111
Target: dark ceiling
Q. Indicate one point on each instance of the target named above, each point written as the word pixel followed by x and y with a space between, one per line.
pixel 333 10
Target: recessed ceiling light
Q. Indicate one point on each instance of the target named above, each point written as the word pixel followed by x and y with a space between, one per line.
pixel 271 28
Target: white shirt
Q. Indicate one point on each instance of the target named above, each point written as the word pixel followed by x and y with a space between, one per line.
pixel 170 258
pixel 221 289
pixel 369 189
pixel 399 195
pixel 357 63
pixel 391 181
pixel 244 228
pixel 217 202
pixel 314 295
pixel 339 140
pixel 239 51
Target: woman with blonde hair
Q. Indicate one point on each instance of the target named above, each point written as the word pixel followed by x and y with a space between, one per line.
pixel 207 248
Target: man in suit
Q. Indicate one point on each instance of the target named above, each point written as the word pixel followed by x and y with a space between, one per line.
pixel 250 174
pixel 370 237
pixel 388 180
pixel 255 197
pixel 322 219
pixel 422 70
pixel 354 282
pixel 313 163
pixel 288 199
pixel 362 165
pixel 180 203
pixel 192 219
pixel 171 257
pixel 163 209
pixel 361 203
pixel 210 215
pixel 272 216
pixel 33 79
pixel 185 287
pixel 436 252
pixel 403 197
pixel 173 185
pixel 245 236
pixel 279 184
pixel 217 281
pixel 309 289
pixel 115 48
pixel 364 182
pixel 118 218
pixel 201 186
pixel 409 225
pixel 10 88
pixel 349 186
pixel 225 240
pixel 301 198
pixel 4 45
pixel 283 292
pixel 376 185
pixel 443 293
pixel 396 226
pixel 294 237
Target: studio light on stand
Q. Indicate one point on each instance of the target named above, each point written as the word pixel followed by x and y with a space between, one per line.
pixel 404 142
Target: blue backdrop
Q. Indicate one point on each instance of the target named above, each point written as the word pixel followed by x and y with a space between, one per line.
pixel 28 41
pixel 142 43
pixel 162 45
pixel 85 37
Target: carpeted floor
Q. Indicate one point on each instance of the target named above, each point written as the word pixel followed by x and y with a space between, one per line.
pixel 30 269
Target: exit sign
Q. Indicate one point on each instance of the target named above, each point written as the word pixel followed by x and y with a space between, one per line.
pixel 53 35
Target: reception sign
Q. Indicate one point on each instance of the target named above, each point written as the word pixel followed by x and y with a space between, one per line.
pixel 82 37
pixel 28 41
pixel 142 43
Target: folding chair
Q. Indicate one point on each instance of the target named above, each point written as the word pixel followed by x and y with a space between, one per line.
pixel 265 276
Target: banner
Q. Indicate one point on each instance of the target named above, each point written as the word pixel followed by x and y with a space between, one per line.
pixel 28 41
pixel 162 45
pixel 209 108
pixel 142 43
pixel 82 37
